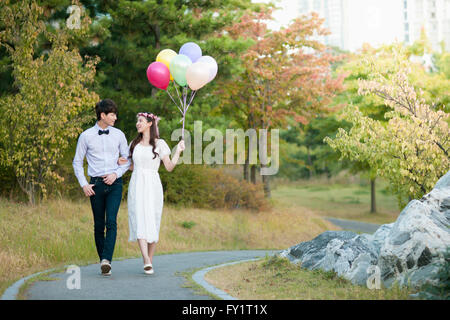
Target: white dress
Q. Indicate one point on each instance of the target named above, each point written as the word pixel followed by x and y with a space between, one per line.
pixel 145 192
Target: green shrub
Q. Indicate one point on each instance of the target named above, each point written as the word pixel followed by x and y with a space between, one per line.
pixel 276 262
pixel 188 224
pixel 205 187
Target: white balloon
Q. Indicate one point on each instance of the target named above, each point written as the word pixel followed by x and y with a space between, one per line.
pixel 197 75
pixel 212 65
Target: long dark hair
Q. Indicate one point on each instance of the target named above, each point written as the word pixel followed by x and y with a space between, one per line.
pixel 154 134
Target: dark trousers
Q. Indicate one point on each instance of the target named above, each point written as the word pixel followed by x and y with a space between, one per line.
pixel 105 205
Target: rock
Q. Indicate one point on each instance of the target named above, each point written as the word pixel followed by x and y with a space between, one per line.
pixel 358 273
pixel 423 275
pixel 400 238
pixel 406 252
pixel 344 252
pixel 380 235
pixel 417 239
pixel 425 258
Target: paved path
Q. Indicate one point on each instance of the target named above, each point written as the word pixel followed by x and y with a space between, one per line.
pixel 128 280
pixel 355 226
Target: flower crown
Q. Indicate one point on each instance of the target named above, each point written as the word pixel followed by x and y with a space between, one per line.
pixel 149 115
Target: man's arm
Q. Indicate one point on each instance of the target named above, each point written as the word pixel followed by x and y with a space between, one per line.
pixel 124 151
pixel 77 162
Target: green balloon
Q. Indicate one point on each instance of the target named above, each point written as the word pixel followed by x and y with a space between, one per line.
pixel 178 66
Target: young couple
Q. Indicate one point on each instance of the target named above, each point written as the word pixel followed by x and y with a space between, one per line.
pixel 102 145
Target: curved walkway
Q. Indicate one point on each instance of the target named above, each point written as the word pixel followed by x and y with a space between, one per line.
pixel 128 281
pixel 355 226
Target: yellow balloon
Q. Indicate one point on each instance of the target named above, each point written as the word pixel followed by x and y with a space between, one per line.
pixel 165 56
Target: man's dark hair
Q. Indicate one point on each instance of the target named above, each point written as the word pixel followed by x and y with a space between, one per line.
pixel 106 106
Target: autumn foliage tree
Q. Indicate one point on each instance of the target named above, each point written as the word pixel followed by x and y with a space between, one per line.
pixel 390 60
pixel 48 106
pixel 411 148
pixel 284 74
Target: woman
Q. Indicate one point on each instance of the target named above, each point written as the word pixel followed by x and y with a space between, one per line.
pixel 145 192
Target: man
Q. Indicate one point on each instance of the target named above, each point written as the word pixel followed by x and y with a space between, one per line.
pixel 102 145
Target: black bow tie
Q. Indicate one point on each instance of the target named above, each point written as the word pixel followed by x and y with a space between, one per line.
pixel 100 132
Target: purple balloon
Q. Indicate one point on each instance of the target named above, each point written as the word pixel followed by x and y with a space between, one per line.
pixel 192 50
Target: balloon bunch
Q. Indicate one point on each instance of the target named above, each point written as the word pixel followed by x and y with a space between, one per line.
pixel 189 69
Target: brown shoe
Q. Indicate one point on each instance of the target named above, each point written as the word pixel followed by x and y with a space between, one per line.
pixel 105 266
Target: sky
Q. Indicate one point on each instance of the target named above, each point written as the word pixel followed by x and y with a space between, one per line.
pixel 372 21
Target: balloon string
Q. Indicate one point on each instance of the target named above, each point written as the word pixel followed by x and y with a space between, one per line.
pixel 178 94
pixel 184 110
pixel 183 103
pixel 184 99
pixel 173 100
pixel 192 98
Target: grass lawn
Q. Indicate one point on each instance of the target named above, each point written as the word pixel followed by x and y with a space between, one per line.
pixel 278 279
pixel 337 199
pixel 60 232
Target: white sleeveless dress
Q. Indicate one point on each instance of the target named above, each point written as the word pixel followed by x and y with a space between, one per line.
pixel 145 192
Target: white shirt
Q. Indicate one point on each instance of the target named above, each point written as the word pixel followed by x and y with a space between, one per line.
pixel 102 153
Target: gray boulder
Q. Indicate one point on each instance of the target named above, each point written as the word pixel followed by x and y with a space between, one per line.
pixel 376 240
pixel 344 252
pixel 408 251
pixel 413 249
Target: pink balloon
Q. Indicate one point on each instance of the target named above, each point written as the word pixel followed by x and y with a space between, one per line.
pixel 158 75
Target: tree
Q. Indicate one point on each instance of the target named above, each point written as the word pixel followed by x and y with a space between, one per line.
pixel 354 68
pixel 50 99
pixel 305 154
pixel 127 36
pixel 411 148
pixel 284 74
pixel 138 30
pixel 389 59
pixel 443 63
